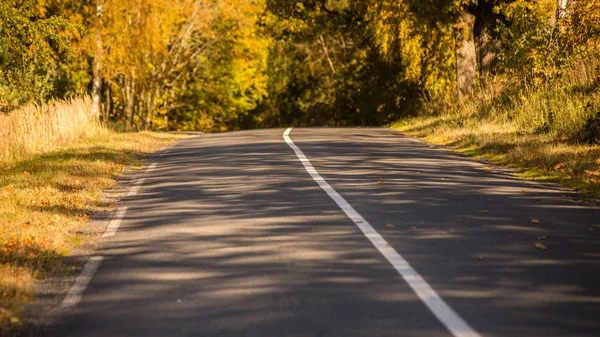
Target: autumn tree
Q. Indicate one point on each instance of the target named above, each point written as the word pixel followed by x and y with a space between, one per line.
pixel 30 43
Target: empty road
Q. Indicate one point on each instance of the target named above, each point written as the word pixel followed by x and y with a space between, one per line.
pixel 338 232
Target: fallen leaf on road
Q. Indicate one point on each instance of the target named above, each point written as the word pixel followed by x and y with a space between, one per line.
pixel 535 221
pixel 389 225
pixel 444 233
pixel 380 181
pixel 413 228
pixel 540 246
pixel 442 179
pixel 484 211
pixel 480 258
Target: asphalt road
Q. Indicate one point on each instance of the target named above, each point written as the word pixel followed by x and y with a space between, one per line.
pixel 230 236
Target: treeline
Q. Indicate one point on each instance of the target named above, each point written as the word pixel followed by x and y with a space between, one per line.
pixel 230 64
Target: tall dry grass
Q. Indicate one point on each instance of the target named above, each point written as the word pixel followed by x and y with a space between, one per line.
pixel 559 108
pixel 549 131
pixel 35 129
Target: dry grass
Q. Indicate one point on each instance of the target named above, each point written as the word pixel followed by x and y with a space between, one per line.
pixel 535 129
pixel 34 129
pixel 537 156
pixel 48 190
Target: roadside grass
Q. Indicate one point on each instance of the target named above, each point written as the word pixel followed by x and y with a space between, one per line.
pixel 520 134
pixel 35 129
pixel 48 193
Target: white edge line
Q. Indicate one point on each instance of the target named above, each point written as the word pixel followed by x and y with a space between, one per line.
pixel 444 313
pixel 76 292
pixel 136 187
pixel 138 184
pixel 114 224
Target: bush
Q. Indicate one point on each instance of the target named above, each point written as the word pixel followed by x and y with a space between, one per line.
pixel 591 129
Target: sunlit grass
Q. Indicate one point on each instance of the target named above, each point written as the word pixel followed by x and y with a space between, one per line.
pixel 47 195
pixel 540 130
pixel 36 129
pixel 537 156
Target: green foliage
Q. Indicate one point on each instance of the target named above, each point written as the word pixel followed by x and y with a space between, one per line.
pixel 529 38
pixel 30 43
pixel 591 130
pixel 228 64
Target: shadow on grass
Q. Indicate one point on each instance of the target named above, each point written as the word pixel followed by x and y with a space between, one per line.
pixel 62 183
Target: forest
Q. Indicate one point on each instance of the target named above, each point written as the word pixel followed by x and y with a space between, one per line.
pixel 217 65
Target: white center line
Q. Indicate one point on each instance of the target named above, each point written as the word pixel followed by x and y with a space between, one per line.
pixel 444 313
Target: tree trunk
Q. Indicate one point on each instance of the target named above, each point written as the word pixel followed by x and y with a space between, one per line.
pixel 129 99
pixel 561 12
pixel 487 43
pixel 97 64
pixel 561 9
pixel 466 57
pixel 150 108
pixel 108 103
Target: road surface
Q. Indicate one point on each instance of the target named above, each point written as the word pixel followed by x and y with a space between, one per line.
pixel 231 235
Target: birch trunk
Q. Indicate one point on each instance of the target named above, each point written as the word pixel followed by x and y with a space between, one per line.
pixel 97 64
pixel 130 100
pixel 561 12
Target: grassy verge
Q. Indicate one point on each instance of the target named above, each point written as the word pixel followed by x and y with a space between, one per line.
pixel 47 198
pixel 497 133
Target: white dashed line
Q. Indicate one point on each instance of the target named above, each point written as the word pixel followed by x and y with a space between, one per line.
pixel 444 313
